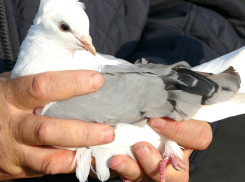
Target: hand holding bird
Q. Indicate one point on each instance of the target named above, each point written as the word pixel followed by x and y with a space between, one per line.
pixel 26 138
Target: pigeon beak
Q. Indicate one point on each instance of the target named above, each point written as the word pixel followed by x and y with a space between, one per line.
pixel 86 43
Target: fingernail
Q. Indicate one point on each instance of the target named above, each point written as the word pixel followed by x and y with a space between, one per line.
pixel 97 80
pixel 142 151
pixel 158 123
pixel 108 136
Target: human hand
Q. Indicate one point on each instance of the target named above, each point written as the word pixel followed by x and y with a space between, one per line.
pixel 25 138
pixel 192 135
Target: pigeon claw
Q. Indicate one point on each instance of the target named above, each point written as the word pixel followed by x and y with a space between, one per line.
pixel 177 164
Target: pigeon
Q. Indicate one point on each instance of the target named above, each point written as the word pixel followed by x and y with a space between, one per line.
pixel 132 93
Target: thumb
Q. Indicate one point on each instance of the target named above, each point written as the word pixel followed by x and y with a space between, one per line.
pixel 38 90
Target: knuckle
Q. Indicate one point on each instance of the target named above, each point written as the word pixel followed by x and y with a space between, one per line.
pixel 88 134
pixel 41 86
pixel 42 133
pixel 52 165
pixel 134 175
pixel 205 137
pixel 153 173
pixel 88 137
pixel 92 134
pixel 9 90
pixel 131 174
pixel 174 131
pixel 16 126
pixel 81 84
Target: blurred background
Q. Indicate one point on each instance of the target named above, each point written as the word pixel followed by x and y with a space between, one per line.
pixel 224 160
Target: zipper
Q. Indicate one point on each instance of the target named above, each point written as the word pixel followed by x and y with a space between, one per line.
pixel 5 37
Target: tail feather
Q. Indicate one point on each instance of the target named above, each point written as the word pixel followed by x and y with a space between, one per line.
pixel 83 159
pixel 232 71
pixel 216 112
pixel 103 156
pixel 194 89
pixel 228 78
pixel 221 64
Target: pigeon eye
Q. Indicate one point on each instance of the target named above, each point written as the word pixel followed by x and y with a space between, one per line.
pixel 64 27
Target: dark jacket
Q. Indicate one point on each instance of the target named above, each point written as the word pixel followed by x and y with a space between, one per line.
pixel 165 31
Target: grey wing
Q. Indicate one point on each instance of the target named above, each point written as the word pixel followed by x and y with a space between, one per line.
pixel 134 92
pixel 123 98
pixel 157 69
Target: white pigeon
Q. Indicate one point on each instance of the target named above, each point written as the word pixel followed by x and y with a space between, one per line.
pixel 60 40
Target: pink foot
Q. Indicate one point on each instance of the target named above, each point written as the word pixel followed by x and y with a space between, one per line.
pixel 124 179
pixel 163 165
pixel 177 164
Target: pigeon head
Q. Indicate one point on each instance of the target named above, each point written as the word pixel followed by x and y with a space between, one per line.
pixel 65 22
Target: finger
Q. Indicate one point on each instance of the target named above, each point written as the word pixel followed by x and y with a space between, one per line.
pixel 149 159
pixel 48 160
pixel 190 134
pixel 176 176
pixel 128 168
pixel 41 130
pixel 38 90
pixel 34 161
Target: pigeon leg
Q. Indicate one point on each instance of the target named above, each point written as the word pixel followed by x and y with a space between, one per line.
pixel 177 164
pixel 163 165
